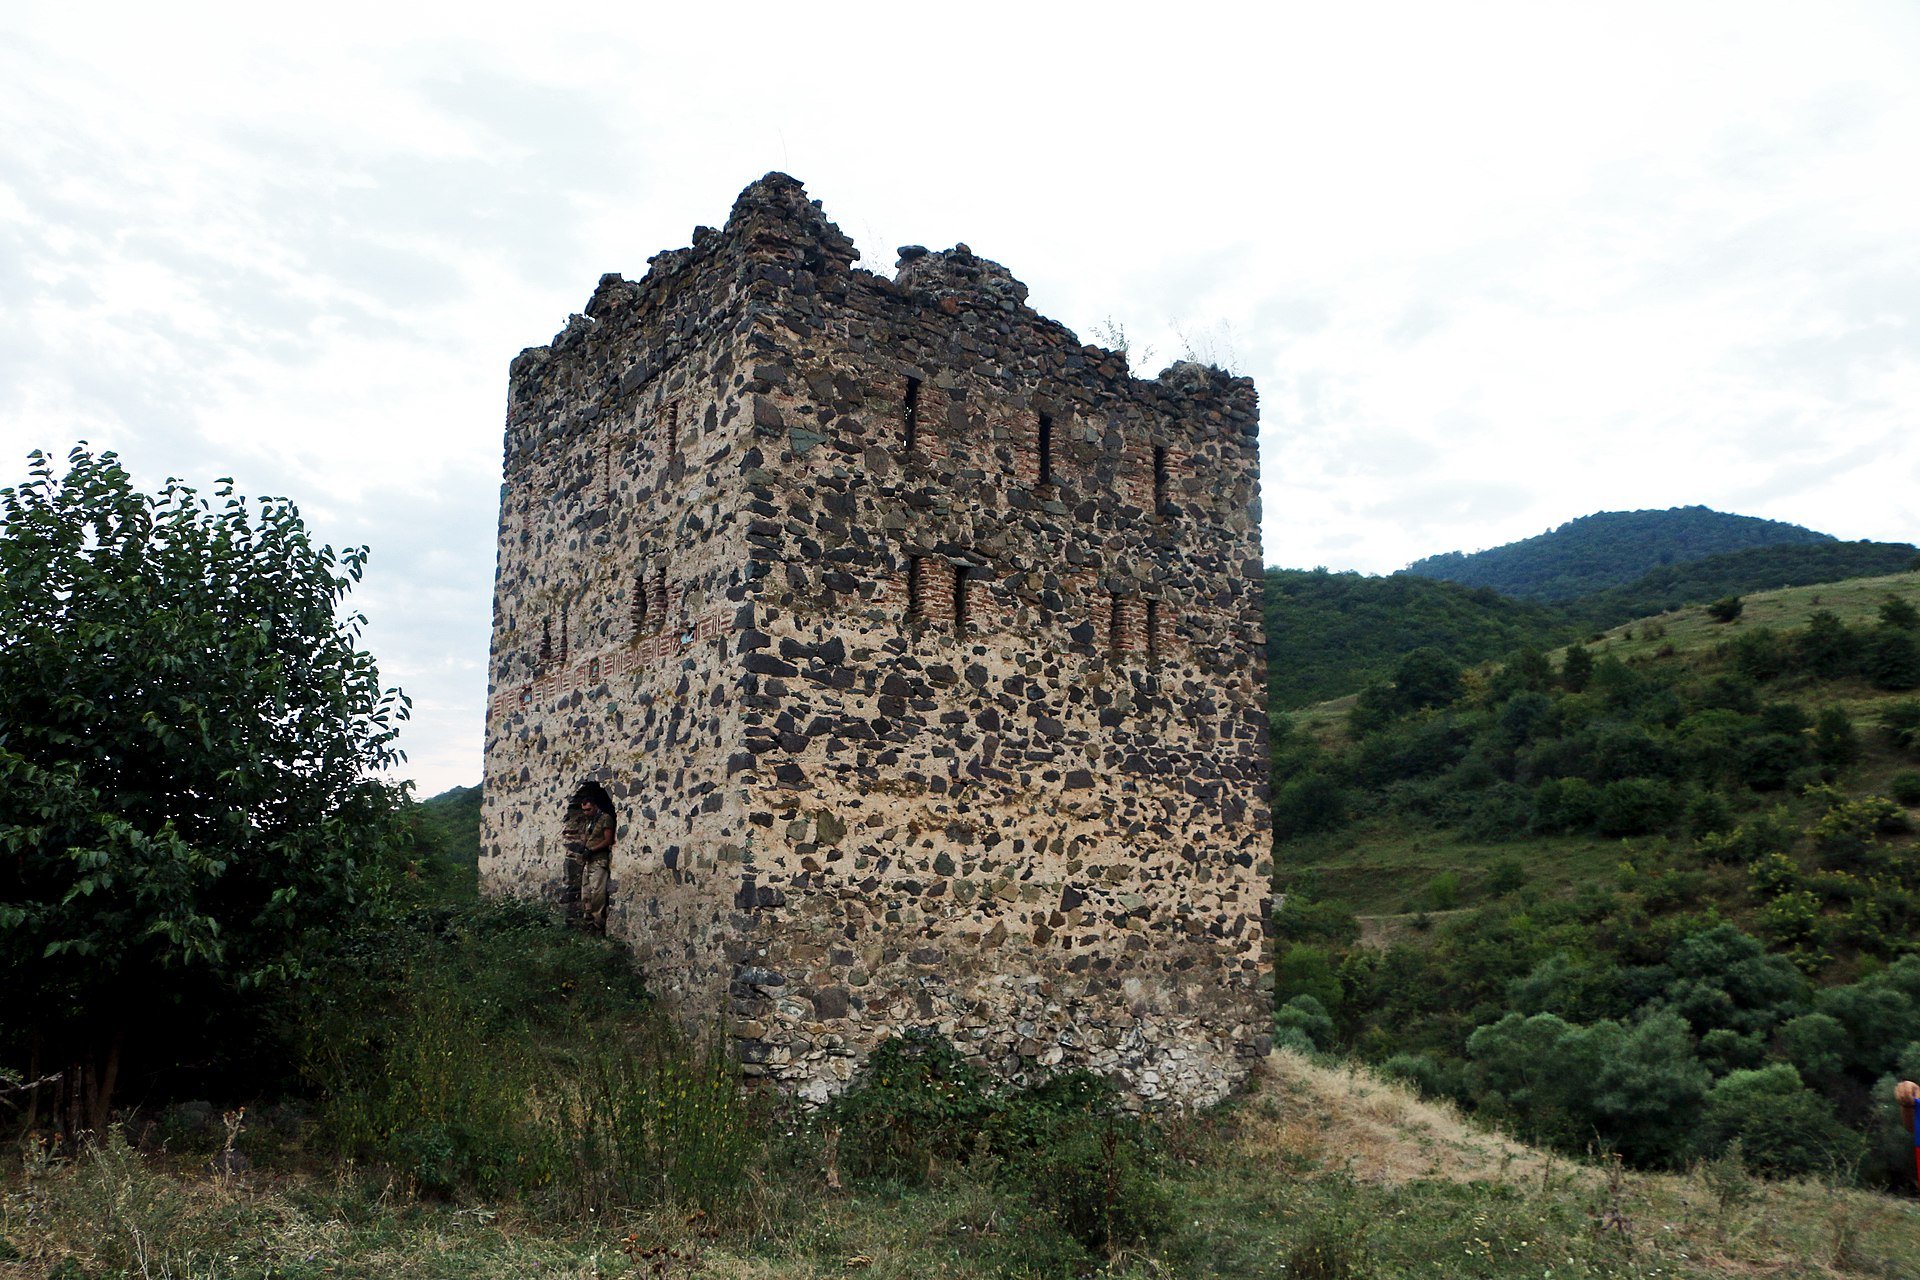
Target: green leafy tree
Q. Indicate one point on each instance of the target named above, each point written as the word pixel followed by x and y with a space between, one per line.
pixel 190 747
pixel 1836 744
pixel 1726 608
pixel 1828 648
pixel 1893 658
pixel 1576 669
pixel 1901 722
pixel 1783 1127
pixel 1899 613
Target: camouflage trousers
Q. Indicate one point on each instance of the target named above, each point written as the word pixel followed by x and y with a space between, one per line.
pixel 573 873
pixel 593 893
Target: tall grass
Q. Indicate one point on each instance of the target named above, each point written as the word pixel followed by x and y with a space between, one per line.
pixel 485 1049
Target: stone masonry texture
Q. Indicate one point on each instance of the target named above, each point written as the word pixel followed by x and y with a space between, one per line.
pixel 918 648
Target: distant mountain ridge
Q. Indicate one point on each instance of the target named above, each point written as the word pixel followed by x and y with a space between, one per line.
pixel 1608 549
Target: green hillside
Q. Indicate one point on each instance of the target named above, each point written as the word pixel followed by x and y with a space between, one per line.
pixel 446 833
pixel 1608 549
pixel 1328 634
pixel 1688 845
pixel 1739 572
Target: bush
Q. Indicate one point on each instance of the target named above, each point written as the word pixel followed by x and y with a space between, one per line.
pixel 1769 761
pixel 1893 659
pixel 1307 1016
pixel 1901 723
pixel 1708 814
pixel 1427 1075
pixel 1300 918
pixel 1306 970
pixel 1637 807
pixel 1905 787
pixel 1065 1141
pixel 1576 669
pixel 1835 743
pixel 1097 1175
pixel 1784 1128
pixel 1760 656
pixel 1308 803
pixel 1562 805
pixel 1501 812
pixel 1506 876
pixel 1828 648
pixel 1726 609
pixel 916 1103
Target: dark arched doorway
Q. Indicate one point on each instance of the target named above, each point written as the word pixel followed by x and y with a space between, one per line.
pixel 592 824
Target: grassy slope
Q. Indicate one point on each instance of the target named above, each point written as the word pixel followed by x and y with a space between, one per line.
pixel 1382 868
pixel 1319 1156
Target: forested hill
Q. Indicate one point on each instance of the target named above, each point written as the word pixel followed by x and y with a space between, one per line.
pixel 1330 634
pixel 1608 549
pixel 1739 572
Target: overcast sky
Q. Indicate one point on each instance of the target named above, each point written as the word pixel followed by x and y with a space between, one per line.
pixel 1492 266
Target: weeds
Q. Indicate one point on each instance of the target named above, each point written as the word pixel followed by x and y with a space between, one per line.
pixel 484 1049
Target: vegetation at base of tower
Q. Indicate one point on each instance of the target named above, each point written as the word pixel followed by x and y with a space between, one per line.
pixel 1322 1170
pixel 1091 1165
pixel 481 1048
pixel 190 744
pixel 1676 878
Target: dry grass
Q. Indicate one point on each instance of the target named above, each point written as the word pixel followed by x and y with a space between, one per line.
pixel 1342 1121
pixel 1348 1119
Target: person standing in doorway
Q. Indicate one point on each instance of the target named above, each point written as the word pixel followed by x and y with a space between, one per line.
pixel 597 867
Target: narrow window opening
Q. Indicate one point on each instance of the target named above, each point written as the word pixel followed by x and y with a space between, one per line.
pixel 1159 480
pixel 1153 631
pixel 912 414
pixel 916 588
pixel 1116 624
pixel 960 599
pixel 673 428
pixel 660 597
pixel 563 635
pixel 546 640
pixel 1046 448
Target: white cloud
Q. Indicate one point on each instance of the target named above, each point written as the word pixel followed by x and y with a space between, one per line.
pixel 1492 267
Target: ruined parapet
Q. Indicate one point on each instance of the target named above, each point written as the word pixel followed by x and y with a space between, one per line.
pixel 918 645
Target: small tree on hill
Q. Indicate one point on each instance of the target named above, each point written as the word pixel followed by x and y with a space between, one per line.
pixel 1726 609
pixel 1899 613
pixel 1576 669
pixel 189 742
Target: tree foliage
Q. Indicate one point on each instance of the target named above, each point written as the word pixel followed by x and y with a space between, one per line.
pixel 1609 549
pixel 190 744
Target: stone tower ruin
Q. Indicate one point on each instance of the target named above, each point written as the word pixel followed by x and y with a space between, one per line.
pixel 917 647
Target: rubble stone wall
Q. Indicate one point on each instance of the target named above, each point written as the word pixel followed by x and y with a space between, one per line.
pixel 979 741
pixel 622 571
